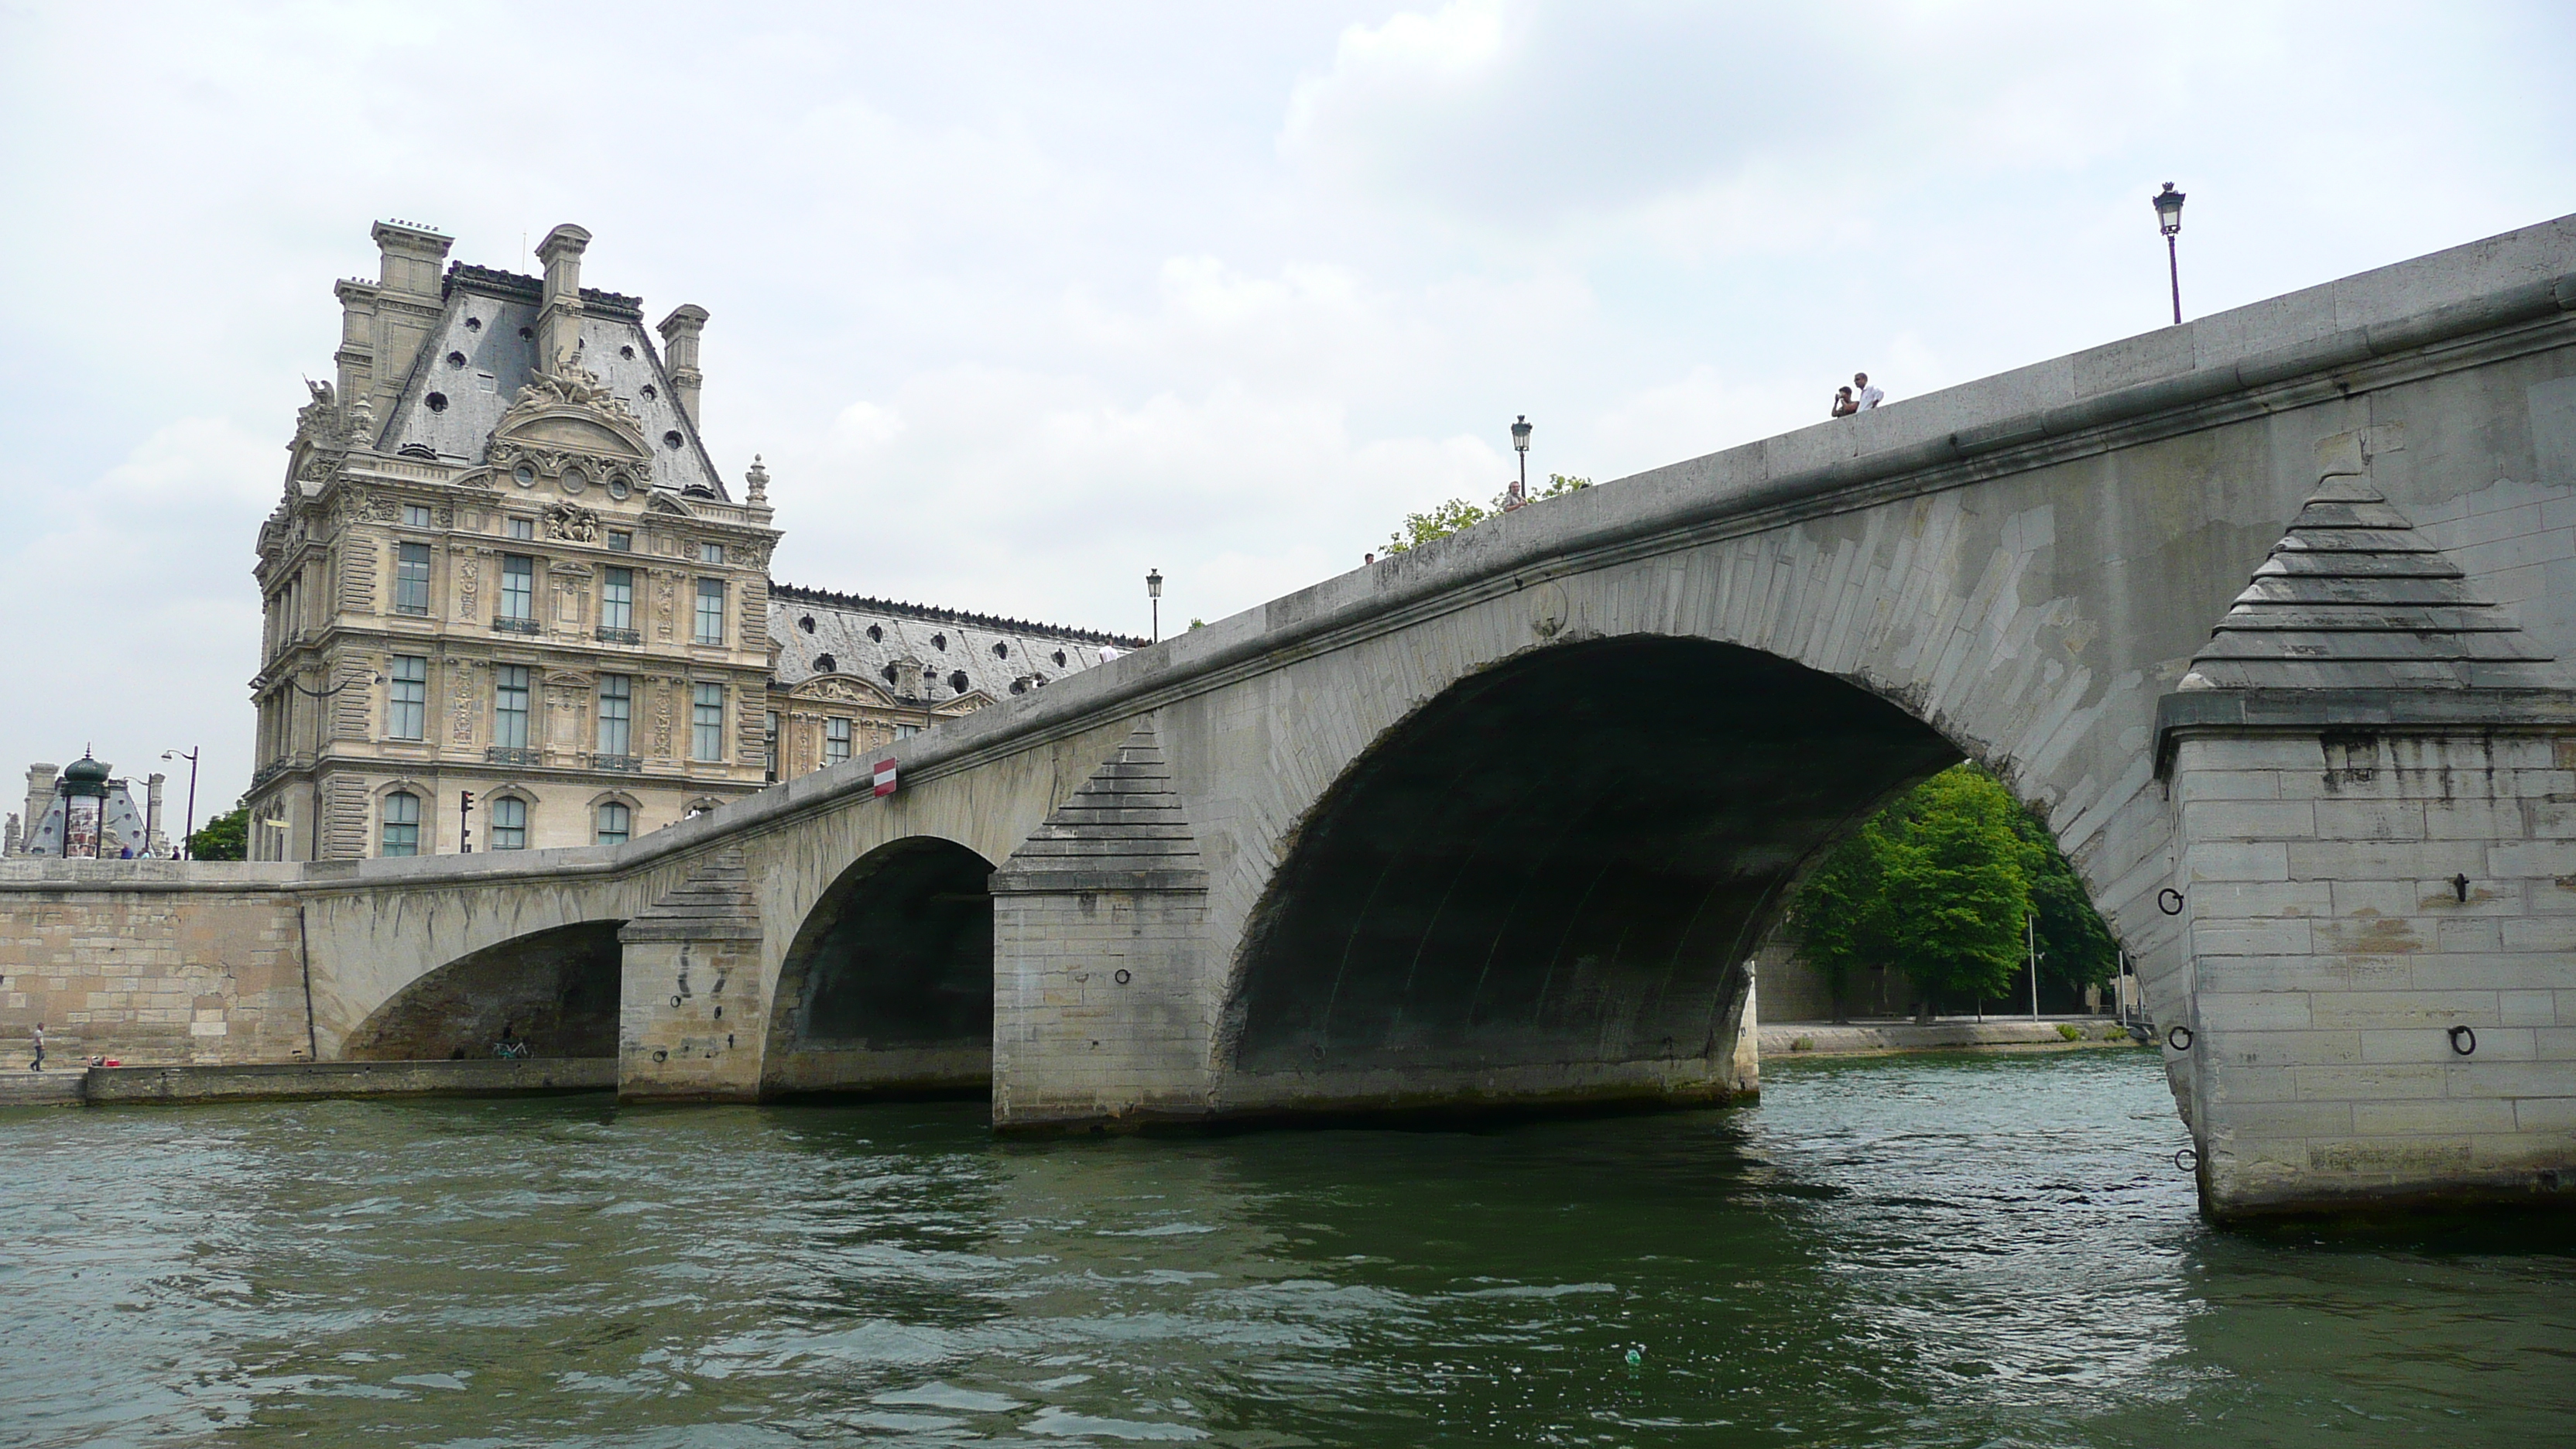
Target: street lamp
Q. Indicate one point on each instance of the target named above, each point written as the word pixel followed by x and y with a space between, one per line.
pixel 2168 203
pixel 185 850
pixel 1520 445
pixel 1154 592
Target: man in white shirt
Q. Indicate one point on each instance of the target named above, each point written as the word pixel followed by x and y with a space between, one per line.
pixel 1868 397
pixel 1109 652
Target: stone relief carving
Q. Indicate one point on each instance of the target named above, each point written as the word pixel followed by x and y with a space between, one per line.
pixel 572 523
pixel 469 575
pixel 666 593
pixel 466 700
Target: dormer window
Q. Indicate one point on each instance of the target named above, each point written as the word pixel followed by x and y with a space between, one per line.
pixel 826 664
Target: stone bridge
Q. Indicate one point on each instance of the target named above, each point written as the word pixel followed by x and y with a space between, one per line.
pixel 2264 613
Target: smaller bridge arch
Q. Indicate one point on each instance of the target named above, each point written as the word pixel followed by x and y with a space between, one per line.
pixel 555 989
pixel 887 986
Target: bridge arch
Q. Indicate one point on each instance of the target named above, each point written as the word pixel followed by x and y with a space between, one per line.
pixel 555 989
pixel 887 985
pixel 1544 883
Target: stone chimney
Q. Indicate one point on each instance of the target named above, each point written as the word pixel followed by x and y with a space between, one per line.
pixel 154 842
pixel 907 678
pixel 559 321
pixel 40 794
pixel 680 354
pixel 382 323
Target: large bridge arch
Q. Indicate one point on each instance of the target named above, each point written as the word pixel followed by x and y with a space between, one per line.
pixel 1545 882
pixel 887 984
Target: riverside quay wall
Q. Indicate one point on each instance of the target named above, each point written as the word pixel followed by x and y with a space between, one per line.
pixel 2268 615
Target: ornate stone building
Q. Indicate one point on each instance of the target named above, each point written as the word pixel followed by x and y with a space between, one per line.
pixel 506 567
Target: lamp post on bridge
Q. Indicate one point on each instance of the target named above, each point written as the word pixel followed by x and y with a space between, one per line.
pixel 187 848
pixel 1154 596
pixel 1520 445
pixel 2168 204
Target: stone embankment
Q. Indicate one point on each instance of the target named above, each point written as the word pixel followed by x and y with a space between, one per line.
pixel 97 1086
pixel 1791 1039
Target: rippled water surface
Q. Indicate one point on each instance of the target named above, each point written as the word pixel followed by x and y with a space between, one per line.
pixel 1932 1251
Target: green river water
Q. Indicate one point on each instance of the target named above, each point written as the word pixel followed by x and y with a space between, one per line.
pixel 1912 1251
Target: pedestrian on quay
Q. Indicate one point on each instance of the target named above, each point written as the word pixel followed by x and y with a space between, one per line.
pixel 38 1064
pixel 1862 393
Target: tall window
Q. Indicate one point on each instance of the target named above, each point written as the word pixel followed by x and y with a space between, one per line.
pixel 509 823
pixel 407 707
pixel 706 723
pixel 616 713
pixel 710 611
pixel 617 599
pixel 510 706
pixel 402 824
pixel 615 820
pixel 518 586
pixel 769 747
pixel 411 578
pixel 836 741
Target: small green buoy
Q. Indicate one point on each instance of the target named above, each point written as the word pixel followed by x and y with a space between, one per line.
pixel 1636 1356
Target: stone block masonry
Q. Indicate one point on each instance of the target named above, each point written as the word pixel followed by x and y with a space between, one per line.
pixel 2402 1023
pixel 150 961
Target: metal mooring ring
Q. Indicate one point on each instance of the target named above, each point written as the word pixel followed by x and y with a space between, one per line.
pixel 1122 978
pixel 2178 1037
pixel 2187 1160
pixel 2175 906
pixel 2464 1040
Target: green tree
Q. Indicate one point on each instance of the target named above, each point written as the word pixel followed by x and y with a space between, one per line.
pixel 226 837
pixel 1936 885
pixel 2075 945
pixel 1458 515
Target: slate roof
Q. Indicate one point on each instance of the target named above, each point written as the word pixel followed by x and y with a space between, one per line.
pixel 497 360
pixel 2352 597
pixel 993 654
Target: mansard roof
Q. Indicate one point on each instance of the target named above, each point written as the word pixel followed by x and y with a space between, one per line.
pixel 2353 597
pixel 999 657
pixel 483 350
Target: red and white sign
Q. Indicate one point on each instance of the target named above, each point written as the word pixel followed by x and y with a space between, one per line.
pixel 885 777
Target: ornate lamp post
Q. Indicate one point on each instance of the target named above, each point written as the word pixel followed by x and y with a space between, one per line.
pixel 2168 204
pixel 185 850
pixel 1154 593
pixel 1520 445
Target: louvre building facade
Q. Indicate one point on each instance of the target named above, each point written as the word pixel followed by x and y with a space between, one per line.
pixel 511 604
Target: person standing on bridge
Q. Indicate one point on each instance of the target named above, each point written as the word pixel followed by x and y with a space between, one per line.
pixel 1843 405
pixel 1868 397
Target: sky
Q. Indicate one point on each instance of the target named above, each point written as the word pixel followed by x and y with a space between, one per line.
pixel 1018 301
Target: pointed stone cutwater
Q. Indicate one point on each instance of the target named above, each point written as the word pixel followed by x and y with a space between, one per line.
pixel 2353 597
pixel 1124 829
pixel 713 904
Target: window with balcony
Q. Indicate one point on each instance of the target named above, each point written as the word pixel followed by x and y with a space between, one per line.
pixel 510 707
pixel 836 741
pixel 706 723
pixel 616 714
pixel 402 824
pixel 411 578
pixel 614 824
pixel 711 600
pixel 617 606
pixel 407 698
pixel 509 823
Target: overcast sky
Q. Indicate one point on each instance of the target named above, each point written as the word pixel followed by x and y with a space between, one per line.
pixel 1019 301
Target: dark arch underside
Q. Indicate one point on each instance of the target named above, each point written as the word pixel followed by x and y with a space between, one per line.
pixel 889 985
pixel 1559 861
pixel 556 990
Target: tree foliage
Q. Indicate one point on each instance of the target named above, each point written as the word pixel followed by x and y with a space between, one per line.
pixel 1458 515
pixel 226 837
pixel 1938 885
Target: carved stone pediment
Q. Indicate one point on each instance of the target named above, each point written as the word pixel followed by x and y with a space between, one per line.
pixel 569 412
pixel 842 688
pixel 665 503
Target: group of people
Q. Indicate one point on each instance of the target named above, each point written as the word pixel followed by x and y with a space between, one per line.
pixel 1859 397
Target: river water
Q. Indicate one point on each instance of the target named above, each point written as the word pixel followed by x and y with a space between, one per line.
pixel 1910 1251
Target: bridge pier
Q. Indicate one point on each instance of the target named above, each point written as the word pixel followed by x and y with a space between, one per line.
pixel 690 1022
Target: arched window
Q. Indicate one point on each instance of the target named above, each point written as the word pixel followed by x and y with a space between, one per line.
pixel 509 823
pixel 615 820
pixel 402 824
